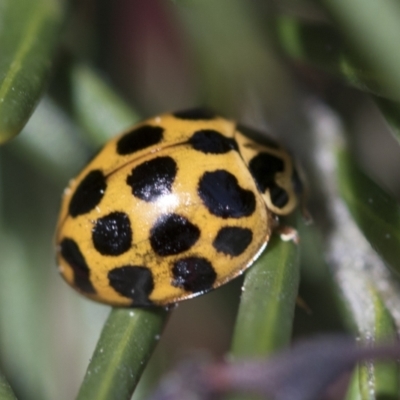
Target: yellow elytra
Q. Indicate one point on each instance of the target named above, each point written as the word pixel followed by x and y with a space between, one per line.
pixel 174 207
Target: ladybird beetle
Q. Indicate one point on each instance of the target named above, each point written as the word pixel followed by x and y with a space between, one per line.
pixel 174 207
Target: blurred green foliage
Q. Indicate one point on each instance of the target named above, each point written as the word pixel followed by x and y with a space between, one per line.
pixel 278 66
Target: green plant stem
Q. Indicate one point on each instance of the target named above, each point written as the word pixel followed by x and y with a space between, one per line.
pixel 265 318
pixel 125 345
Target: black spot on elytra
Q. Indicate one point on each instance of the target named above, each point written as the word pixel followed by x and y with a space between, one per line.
pixel 210 141
pixel 223 196
pixel 88 194
pixel 264 167
pixel 134 282
pixel 194 274
pixel 258 136
pixel 112 234
pixel 139 139
pixel 153 178
pixel 173 234
pixel 279 196
pixel 232 240
pixel 195 114
pixel 72 255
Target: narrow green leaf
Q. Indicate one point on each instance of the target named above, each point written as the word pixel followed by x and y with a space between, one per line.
pixel 358 272
pixel 265 318
pixel 97 107
pixel 374 380
pixel 376 213
pixel 51 143
pixel 391 111
pixel 29 32
pixel 386 383
pixel 353 391
pixel 372 28
pixel 6 392
pixel 320 45
pixel 126 343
